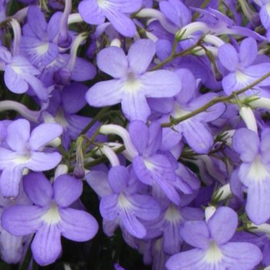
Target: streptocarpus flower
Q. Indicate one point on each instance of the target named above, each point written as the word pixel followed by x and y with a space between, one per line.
pixel 37 41
pixel 213 249
pixel 50 216
pixel 132 84
pixel 242 66
pixel 24 150
pixel 20 75
pixel 124 202
pixel 254 172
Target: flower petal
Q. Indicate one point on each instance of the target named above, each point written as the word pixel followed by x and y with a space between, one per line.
pixel 139 134
pixel 43 134
pixel 20 220
pixel 113 61
pixel 10 180
pixel 146 49
pixel 66 190
pixel 222 225
pixel 105 93
pixel 91 12
pixel 160 84
pixel 17 140
pixel 241 256
pixel 228 57
pixel 43 161
pixel 77 225
pixel 135 107
pixel 187 260
pixel 46 246
pixel 246 143
pixel 38 188
pixel 195 233
pixel 258 201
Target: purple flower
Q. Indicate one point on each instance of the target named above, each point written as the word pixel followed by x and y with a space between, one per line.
pixel 50 216
pixel 132 84
pixel 154 167
pixel 242 66
pixel 213 249
pixel 37 41
pixel 254 172
pixel 96 11
pixel 20 75
pixel 24 150
pixel 124 200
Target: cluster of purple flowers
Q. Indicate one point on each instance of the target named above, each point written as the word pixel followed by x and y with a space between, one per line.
pixel 159 107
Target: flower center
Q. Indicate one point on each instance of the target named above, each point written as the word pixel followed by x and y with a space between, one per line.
pixel 132 84
pixel 213 254
pixel 102 3
pixel 52 215
pixel 258 170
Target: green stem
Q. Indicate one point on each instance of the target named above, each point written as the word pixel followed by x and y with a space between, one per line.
pixel 95 119
pixel 175 121
pixel 203 5
pixel 175 55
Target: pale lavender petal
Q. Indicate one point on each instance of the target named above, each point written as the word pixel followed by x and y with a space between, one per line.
pixel 223 224
pixel 132 224
pixel 258 201
pixel 248 51
pixel 43 161
pixel 98 181
pixel 160 83
pixel 77 225
pixel 171 238
pixel 228 57
pixel 10 179
pixel 91 12
pixel 8 158
pixel 265 16
pixel 37 21
pixel 143 174
pixel 109 207
pixel 53 25
pixel 113 61
pixel 118 178
pixel 139 134
pixel 195 233
pixel 121 22
pixel 188 86
pixel 66 190
pixel 155 138
pixel 11 247
pixel 38 188
pixel 105 93
pixel 255 72
pixel 46 246
pixel 135 107
pixel 144 207
pixel 187 260
pixel 246 143
pixel 43 134
pixel 83 70
pixel 21 220
pixel 146 49
pixel 17 140
pixel 197 135
pixel 241 256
